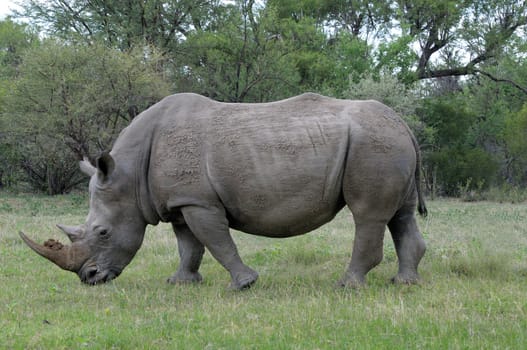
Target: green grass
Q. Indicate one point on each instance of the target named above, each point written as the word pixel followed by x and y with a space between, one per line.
pixel 473 294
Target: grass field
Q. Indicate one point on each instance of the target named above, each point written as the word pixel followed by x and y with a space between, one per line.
pixel 473 294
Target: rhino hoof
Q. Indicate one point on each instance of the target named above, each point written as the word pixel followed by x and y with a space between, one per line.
pixel 185 278
pixel 405 279
pixel 352 283
pixel 244 281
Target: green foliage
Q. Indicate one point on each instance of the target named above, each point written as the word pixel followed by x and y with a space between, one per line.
pixel 515 136
pixel 462 169
pixel 450 118
pixel 122 25
pixel 455 162
pixel 298 10
pixel 359 18
pixel 349 61
pixel 9 171
pixel 71 101
pixel 397 57
pixel 453 38
pixel 495 105
pixel 253 51
pixel 309 52
pixel 388 90
pixel 245 59
pixel 14 38
pixel 515 132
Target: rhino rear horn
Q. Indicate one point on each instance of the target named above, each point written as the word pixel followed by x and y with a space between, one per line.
pixel 67 257
pixel 74 233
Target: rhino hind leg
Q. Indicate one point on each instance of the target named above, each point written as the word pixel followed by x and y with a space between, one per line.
pixel 368 244
pixel 191 252
pixel 210 227
pixel 409 244
pixel 367 252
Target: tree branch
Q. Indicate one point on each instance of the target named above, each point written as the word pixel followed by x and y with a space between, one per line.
pixel 469 70
pixel 501 80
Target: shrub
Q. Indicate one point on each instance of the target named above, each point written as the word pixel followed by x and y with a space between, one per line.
pixel 460 170
pixel 72 101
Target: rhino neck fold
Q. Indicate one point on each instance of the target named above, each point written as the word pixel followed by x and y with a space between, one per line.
pixel 142 188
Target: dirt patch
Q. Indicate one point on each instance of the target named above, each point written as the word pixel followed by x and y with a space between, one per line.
pixel 53 244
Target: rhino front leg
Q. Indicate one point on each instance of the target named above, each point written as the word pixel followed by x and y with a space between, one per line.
pixel 191 252
pixel 210 227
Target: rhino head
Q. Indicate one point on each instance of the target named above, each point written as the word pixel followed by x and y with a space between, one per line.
pixel 113 232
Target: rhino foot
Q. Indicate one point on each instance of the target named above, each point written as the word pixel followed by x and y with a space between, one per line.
pixel 405 279
pixel 353 282
pixel 185 277
pixel 244 280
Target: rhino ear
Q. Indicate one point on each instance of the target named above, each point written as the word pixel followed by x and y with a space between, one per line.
pixel 86 167
pixel 105 165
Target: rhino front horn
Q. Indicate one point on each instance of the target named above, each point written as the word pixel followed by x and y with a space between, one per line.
pixel 70 258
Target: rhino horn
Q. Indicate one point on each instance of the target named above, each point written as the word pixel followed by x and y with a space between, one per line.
pixel 67 257
pixel 74 233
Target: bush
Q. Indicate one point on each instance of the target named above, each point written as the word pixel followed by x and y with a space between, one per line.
pixel 455 163
pixel 69 102
pixel 515 137
pixel 461 170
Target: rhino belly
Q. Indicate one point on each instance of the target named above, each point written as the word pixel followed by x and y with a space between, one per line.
pixel 283 218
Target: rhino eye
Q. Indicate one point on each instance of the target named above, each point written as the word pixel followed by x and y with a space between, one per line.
pixel 103 233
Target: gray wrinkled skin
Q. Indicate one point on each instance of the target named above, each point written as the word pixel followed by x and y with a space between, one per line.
pixel 274 169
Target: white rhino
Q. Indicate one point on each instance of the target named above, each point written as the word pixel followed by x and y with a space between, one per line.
pixel 275 169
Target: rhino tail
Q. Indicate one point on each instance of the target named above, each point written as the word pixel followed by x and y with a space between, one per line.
pixel 421 205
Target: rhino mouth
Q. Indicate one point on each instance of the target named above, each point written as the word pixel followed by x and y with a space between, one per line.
pixel 92 274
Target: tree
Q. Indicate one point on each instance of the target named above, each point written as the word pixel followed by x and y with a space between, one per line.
pixel 466 58
pixel 456 38
pixel 245 59
pixel 121 24
pixel 358 18
pixel 71 101
pixel 455 160
pixel 14 39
